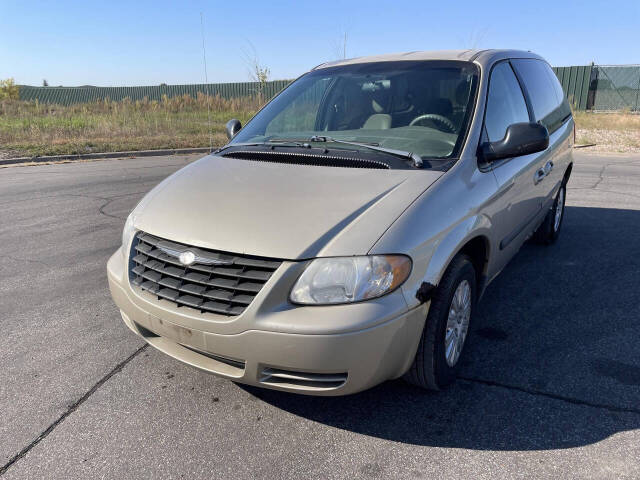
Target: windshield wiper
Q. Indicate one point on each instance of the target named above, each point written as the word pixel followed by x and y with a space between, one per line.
pixel 277 141
pixel 286 142
pixel 417 161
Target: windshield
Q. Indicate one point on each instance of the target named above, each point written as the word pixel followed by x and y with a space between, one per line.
pixel 421 107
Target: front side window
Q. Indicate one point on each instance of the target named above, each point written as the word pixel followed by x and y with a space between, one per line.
pixel 505 102
pixel 419 106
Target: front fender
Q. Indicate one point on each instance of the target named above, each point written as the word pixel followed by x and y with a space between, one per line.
pixel 432 258
pixel 453 211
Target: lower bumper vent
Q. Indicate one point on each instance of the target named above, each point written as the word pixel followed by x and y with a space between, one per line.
pixel 228 361
pixel 306 380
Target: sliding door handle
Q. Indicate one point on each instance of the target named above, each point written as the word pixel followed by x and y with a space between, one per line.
pixel 543 172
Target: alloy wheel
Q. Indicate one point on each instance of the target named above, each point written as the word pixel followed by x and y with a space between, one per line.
pixel 457 323
pixel 559 209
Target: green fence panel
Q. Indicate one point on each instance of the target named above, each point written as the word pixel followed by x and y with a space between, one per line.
pixel 617 87
pixel 571 91
pixel 574 80
pixel 577 93
pixel 587 87
pixel 575 83
pixel 586 99
pixel 601 87
pixel 71 95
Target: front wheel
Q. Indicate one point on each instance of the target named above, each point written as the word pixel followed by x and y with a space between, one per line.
pixel 443 338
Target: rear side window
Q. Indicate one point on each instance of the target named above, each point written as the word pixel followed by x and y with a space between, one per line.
pixel 545 92
pixel 505 102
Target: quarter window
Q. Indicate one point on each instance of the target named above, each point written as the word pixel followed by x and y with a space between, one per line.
pixel 505 103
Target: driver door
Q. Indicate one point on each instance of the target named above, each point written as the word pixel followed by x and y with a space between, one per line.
pixel 517 205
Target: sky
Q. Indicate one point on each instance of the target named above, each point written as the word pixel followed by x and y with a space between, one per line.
pixel 116 43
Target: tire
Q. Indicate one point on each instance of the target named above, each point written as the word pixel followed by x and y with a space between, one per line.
pixel 549 231
pixel 430 368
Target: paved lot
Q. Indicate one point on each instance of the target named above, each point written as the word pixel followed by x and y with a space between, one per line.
pixel 550 388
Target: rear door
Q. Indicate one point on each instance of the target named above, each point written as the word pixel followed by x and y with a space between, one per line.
pixel 517 204
pixel 551 109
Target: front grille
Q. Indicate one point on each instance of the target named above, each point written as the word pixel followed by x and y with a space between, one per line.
pixel 217 282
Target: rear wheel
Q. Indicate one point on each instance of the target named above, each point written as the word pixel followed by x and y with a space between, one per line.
pixel 549 231
pixel 443 338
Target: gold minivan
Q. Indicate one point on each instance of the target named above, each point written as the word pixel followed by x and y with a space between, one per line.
pixel 344 236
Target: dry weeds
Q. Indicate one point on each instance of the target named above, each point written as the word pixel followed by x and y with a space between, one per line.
pixel 33 129
pixel 610 132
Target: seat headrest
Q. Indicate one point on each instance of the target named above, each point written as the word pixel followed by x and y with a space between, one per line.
pixel 378 121
pixel 380 101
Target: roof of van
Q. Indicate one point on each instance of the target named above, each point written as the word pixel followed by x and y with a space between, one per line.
pixel 464 55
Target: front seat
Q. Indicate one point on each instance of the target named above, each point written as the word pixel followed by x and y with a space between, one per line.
pixel 378 121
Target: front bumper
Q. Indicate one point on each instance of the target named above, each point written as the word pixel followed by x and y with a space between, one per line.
pixel 258 349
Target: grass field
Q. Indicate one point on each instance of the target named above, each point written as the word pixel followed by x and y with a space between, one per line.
pixel 32 129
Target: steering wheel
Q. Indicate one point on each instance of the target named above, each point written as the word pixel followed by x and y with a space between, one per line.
pixel 438 120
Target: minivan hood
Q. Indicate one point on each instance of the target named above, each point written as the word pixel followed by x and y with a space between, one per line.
pixel 279 210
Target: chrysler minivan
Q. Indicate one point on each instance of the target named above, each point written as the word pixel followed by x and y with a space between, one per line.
pixel 344 236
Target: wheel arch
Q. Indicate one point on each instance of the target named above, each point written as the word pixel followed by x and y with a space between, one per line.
pixel 567 174
pixel 470 238
pixel 477 249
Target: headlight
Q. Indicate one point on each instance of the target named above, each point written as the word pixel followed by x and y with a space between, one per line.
pixel 128 231
pixel 350 279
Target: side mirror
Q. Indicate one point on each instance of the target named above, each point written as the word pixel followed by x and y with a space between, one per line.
pixel 520 139
pixel 233 127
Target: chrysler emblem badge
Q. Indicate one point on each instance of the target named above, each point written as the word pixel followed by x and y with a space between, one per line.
pixel 187 258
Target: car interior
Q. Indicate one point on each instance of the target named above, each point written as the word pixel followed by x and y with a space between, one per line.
pixel 422 108
pixel 405 99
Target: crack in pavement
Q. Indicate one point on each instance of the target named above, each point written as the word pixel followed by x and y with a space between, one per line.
pixel 72 408
pixel 111 199
pixel 601 173
pixel 600 176
pixel 606 191
pixel 104 205
pixel 601 179
pixel 554 396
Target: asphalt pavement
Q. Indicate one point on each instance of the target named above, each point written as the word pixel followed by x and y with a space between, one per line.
pixel 550 385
